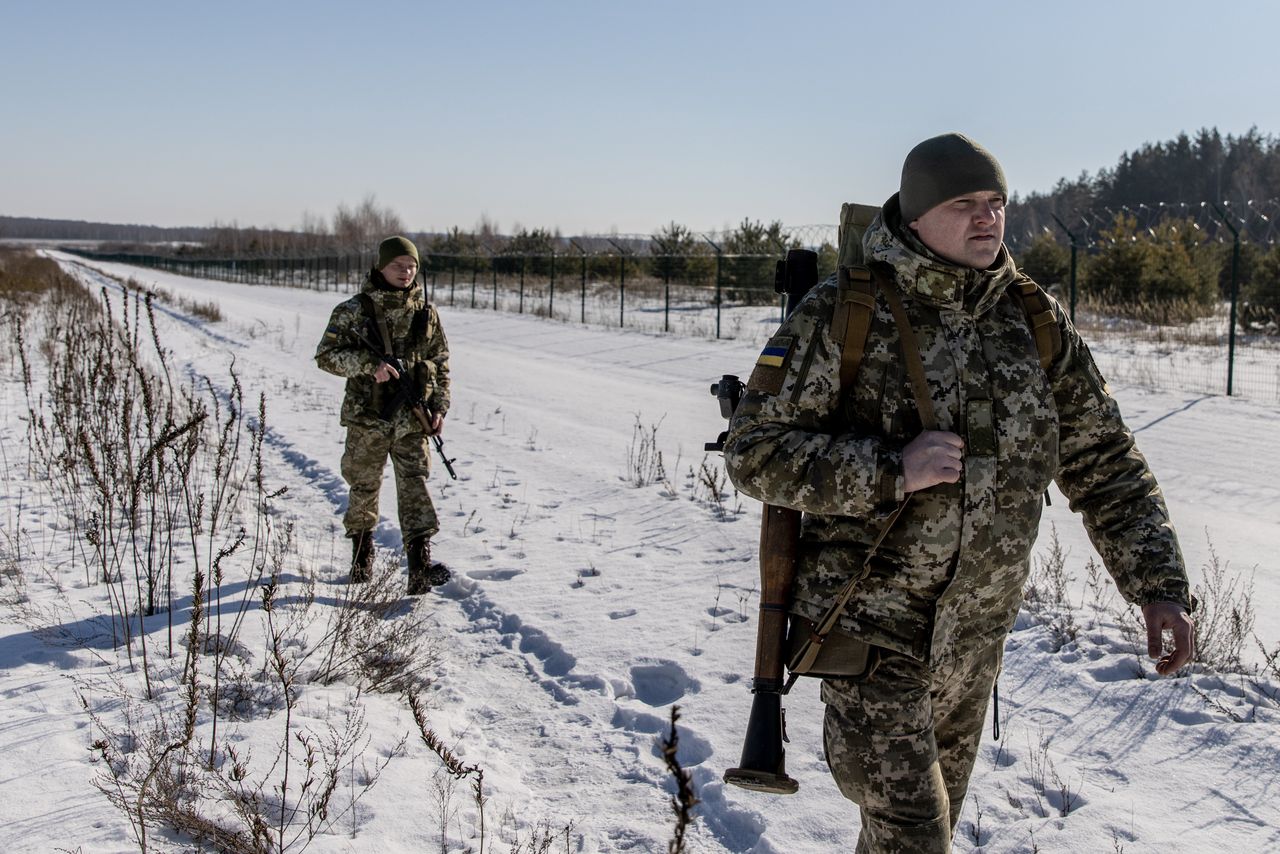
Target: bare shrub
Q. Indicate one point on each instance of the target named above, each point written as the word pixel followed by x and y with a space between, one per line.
pixel 1224 616
pixel 684 800
pixel 709 486
pixel 155 772
pixel 369 642
pixel 1268 671
pixel 644 459
pixel 209 311
pixel 13 581
pixel 541 836
pixel 1046 594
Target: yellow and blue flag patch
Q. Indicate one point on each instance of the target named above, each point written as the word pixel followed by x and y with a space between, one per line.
pixel 771 366
pixel 774 355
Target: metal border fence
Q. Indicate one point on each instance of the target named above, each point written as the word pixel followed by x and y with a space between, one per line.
pixel 701 289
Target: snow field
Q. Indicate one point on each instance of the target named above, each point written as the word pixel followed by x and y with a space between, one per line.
pixel 583 608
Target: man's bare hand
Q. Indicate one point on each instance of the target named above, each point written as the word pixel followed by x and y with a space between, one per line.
pixel 933 457
pixel 1170 617
pixel 437 424
pixel 385 372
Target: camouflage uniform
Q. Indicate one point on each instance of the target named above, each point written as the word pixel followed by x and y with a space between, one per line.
pixel 419 342
pixel 946 584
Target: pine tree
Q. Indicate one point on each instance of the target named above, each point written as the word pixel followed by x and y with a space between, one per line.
pixel 1047 261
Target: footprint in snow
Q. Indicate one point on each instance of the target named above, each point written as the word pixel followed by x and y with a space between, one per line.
pixel 494 574
pixel 660 682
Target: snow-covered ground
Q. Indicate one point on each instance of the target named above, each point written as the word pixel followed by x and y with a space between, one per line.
pixel 584 607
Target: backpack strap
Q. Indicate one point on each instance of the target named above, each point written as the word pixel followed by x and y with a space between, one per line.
pixel 1040 317
pixel 911 352
pixel 855 304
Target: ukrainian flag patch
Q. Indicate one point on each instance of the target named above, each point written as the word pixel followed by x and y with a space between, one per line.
pixel 775 353
pixel 771 367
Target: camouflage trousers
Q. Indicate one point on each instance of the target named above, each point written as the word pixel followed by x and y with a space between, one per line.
pixel 901 744
pixel 364 459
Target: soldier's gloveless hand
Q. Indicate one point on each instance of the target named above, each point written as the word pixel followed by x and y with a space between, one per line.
pixel 1171 617
pixel 385 372
pixel 933 457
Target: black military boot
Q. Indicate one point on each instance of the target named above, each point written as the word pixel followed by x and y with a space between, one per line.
pixel 423 574
pixel 361 556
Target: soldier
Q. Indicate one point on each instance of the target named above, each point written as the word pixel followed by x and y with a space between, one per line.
pixel 387 341
pixel 945 585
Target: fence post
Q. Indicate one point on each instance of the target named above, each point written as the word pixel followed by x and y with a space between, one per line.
pixel 719 282
pixel 522 260
pixel 475 268
pixel 551 295
pixel 1073 264
pixel 622 283
pixel 666 305
pixel 453 277
pixel 1235 298
pixel 493 266
pixel 575 245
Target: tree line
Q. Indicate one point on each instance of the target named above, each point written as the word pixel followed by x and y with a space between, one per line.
pixel 1206 167
pixel 1143 251
pixel 1150 232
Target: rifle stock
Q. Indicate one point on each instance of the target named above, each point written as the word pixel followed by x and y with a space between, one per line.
pixel 762 767
pixel 779 537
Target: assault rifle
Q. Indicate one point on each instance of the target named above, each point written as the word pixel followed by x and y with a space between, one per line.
pixel 403 397
pixel 763 764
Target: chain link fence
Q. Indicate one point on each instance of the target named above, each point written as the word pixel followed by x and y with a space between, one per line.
pixel 1106 266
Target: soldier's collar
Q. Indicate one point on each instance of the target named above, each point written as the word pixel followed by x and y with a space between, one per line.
pixel 945 283
pixel 940 285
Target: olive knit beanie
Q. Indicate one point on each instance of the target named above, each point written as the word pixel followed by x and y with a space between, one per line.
pixel 392 248
pixel 944 167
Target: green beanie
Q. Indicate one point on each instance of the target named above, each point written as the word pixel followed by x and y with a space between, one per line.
pixel 392 248
pixel 944 167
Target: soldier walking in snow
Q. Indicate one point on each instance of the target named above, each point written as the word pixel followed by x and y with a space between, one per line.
pixel 388 343
pixel 971 425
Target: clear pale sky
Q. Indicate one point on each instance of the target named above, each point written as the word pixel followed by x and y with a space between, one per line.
pixel 590 116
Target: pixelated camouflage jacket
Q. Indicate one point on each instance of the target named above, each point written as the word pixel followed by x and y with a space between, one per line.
pixel 952 570
pixel 425 353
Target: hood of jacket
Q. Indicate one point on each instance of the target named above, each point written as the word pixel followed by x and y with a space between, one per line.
pixel 390 298
pixel 925 276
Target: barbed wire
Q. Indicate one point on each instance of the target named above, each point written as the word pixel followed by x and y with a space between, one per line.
pixel 1256 221
pixel 650 245
pixel 1202 222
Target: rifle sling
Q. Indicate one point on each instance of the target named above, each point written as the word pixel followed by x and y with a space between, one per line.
pixel 370 307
